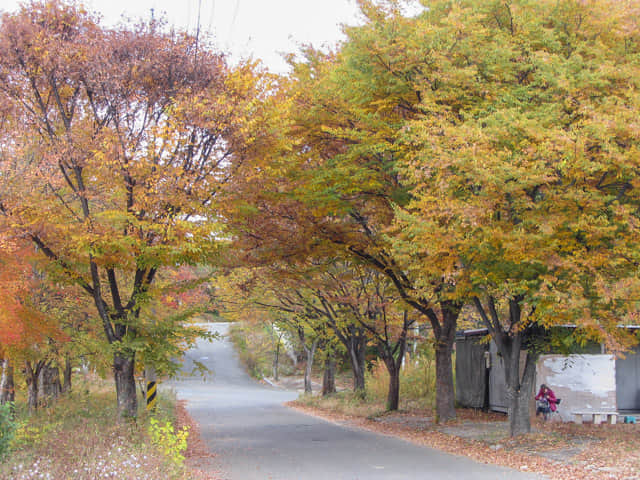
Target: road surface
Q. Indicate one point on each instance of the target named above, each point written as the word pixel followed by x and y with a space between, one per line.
pixel 254 437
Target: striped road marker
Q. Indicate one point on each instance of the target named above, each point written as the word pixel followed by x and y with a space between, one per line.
pixel 151 395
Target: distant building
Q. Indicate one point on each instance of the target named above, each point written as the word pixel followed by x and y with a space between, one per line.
pixel 586 381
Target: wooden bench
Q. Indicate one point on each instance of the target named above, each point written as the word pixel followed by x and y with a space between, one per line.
pixel 596 417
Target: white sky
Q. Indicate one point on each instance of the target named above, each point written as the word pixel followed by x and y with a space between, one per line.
pixel 258 28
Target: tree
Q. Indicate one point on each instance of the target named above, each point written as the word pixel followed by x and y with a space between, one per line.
pixel 350 114
pixel 334 188
pixel 524 169
pixel 368 298
pixel 28 333
pixel 349 301
pixel 278 292
pixel 128 137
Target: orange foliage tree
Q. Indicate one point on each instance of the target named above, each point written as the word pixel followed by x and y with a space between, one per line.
pixel 28 333
pixel 128 138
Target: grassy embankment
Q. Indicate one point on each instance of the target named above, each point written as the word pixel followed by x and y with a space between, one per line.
pixel 77 438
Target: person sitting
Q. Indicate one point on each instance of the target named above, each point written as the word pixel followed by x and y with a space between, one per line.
pixel 546 401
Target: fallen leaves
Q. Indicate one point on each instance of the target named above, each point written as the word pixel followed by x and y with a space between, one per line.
pixel 198 457
pixel 560 451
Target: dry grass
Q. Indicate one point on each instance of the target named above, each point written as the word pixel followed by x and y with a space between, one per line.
pixel 417 383
pixel 77 438
pixel 416 378
pixel 344 403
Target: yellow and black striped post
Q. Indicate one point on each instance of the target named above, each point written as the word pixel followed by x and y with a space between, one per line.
pixel 151 389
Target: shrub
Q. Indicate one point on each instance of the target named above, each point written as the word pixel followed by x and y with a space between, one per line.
pixel 172 443
pixel 417 381
pixel 8 427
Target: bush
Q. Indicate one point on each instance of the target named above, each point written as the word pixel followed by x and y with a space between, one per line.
pixel 80 437
pixel 417 382
pixel 172 443
pixel 251 350
pixel 8 427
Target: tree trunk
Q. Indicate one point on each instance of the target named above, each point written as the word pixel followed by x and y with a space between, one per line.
pixel 7 388
pixel 393 393
pixel 445 393
pixel 32 393
pixel 445 396
pixel 329 377
pixel 444 332
pixel 357 357
pixel 310 352
pixel 519 393
pixel 49 382
pixel 393 355
pixel 124 369
pixel 32 372
pixel 519 413
pixel 276 361
pixel 66 375
pixel 354 340
pixel 509 342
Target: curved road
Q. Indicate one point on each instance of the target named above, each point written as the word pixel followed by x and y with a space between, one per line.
pixel 256 438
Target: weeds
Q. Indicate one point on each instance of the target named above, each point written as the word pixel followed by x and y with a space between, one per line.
pixel 78 437
pixel 172 443
pixel 8 427
pixel 417 383
pixel 346 403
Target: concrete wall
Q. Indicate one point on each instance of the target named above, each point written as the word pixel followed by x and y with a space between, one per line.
pixel 583 382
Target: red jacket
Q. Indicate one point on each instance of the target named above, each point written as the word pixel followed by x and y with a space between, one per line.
pixel 550 397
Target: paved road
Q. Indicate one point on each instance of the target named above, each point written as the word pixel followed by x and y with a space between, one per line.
pixel 256 438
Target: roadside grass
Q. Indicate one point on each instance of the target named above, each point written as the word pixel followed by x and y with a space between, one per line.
pixel 345 403
pixel 78 437
pixel 417 391
pixel 417 383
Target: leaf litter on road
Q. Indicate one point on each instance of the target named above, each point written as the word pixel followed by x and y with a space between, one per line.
pixel 561 451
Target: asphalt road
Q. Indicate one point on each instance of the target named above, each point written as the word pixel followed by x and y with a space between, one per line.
pixel 255 437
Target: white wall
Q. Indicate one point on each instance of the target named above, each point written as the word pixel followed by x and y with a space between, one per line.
pixel 583 382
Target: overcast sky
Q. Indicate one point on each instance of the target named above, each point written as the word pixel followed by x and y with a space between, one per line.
pixel 260 28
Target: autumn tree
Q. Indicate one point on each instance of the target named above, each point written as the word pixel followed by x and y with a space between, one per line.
pixel 278 293
pixel 312 300
pixel 356 294
pixel 333 299
pixel 524 168
pixel 29 334
pixel 333 188
pixel 350 111
pixel 11 289
pixel 129 135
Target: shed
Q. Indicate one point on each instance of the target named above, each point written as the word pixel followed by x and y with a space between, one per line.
pixel 584 381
